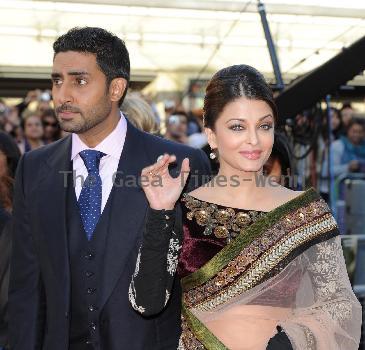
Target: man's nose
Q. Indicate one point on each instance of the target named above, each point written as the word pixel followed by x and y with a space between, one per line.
pixel 63 94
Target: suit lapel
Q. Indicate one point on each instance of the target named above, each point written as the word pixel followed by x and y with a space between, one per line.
pixel 128 210
pixel 51 197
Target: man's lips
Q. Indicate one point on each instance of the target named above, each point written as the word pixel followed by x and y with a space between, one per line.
pixel 253 155
pixel 66 114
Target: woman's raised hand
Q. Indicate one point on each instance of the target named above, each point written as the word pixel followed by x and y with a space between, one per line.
pixel 161 189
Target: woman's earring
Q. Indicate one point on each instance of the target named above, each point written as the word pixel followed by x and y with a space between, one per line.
pixel 212 155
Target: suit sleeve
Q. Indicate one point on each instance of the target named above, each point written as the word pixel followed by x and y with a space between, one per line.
pixel 25 316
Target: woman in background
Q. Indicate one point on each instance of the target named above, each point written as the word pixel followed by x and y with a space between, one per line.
pixel 139 113
pixel 33 133
pixel 261 266
pixel 9 157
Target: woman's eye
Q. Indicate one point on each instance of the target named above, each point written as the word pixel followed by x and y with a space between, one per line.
pixel 236 127
pixel 266 126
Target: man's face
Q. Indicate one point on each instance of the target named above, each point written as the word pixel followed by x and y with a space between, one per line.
pixel 79 91
pixel 356 134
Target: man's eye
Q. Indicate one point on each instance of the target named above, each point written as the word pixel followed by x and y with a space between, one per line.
pixel 81 81
pixel 56 81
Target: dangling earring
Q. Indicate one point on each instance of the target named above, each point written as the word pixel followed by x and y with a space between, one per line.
pixel 212 155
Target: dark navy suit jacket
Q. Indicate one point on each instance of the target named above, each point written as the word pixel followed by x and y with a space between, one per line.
pixel 39 292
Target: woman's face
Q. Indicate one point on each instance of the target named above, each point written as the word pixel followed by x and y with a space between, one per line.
pixel 243 135
pixel 33 128
pixel 335 120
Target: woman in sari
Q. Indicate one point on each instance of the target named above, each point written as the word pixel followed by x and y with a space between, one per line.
pixel 261 266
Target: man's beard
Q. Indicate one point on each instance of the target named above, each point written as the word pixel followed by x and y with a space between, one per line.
pixel 86 121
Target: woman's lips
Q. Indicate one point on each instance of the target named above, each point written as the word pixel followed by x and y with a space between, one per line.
pixel 254 155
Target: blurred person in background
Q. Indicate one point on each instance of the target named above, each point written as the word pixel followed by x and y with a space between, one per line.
pixel 176 127
pixel 194 125
pixel 170 107
pixel 279 165
pixel 139 113
pixel 41 98
pixel 51 127
pixel 348 155
pixel 17 134
pixel 33 133
pixel 198 138
pixel 337 124
pixel 346 115
pixel 148 98
pixel 323 142
pixel 9 157
pixel 3 114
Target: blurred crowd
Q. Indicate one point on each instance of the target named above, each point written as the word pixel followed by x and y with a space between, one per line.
pixel 32 123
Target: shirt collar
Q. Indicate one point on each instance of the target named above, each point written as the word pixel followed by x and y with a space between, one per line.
pixel 112 145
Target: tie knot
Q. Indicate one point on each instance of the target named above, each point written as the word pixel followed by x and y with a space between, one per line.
pixel 91 159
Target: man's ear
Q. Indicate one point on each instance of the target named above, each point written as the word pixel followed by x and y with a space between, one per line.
pixel 117 88
pixel 212 139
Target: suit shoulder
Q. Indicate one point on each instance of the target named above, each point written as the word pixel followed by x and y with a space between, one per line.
pixel 168 146
pixel 44 151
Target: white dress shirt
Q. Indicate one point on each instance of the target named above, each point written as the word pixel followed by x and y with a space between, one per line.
pixel 112 146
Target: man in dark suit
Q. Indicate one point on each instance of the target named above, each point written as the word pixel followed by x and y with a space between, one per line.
pixel 77 228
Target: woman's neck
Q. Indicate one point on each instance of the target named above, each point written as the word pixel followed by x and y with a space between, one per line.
pixel 247 183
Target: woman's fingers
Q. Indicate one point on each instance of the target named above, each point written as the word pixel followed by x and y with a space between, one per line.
pixel 185 169
pixel 160 166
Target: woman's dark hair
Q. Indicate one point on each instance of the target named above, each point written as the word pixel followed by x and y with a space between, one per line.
pixel 231 83
pixel 111 53
pixel 336 132
pixel 11 151
pixel 282 152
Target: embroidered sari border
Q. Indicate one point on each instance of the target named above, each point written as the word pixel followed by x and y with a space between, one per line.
pixel 202 333
pixel 299 250
pixel 271 262
pixel 232 250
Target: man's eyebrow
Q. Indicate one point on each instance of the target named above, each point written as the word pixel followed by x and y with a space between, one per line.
pixel 72 73
pixel 78 72
pixel 55 75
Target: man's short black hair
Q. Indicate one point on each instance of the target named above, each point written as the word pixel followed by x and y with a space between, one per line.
pixel 111 53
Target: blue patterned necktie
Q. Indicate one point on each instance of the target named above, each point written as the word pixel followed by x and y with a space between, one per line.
pixel 90 196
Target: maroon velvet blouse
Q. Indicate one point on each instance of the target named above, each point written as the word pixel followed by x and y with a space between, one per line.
pixel 207 228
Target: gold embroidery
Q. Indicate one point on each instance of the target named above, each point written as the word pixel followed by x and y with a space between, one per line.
pixel 222 222
pixel 187 340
